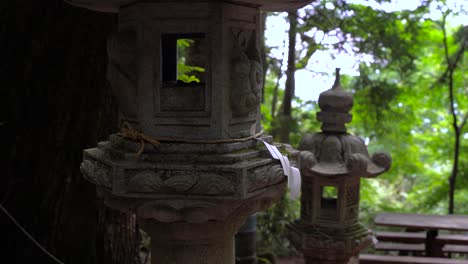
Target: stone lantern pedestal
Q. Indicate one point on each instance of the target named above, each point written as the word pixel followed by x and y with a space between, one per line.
pixel 188 77
pixel 332 163
pixel 190 198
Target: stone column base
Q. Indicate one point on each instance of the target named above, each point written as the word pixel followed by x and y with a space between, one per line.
pixel 210 242
pixel 196 252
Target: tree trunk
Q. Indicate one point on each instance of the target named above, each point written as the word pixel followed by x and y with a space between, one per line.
pixel 453 176
pixel 286 118
pixel 57 102
pixel 452 65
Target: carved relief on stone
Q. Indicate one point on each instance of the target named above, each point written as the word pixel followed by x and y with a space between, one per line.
pixel 96 172
pixel 352 195
pixel 181 210
pixel 246 73
pixel 357 164
pixel 352 213
pixel 122 70
pixel 382 160
pixel 180 181
pixel 193 208
pixel 264 176
pixel 329 243
pixel 306 160
pixel 323 242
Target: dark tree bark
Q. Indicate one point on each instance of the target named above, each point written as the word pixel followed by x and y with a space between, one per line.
pixel 56 102
pixel 286 118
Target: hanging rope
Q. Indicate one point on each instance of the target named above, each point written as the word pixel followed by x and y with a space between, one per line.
pixel 29 235
pixel 217 141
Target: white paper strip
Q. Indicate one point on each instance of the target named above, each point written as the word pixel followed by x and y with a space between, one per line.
pixel 295 187
pixel 293 173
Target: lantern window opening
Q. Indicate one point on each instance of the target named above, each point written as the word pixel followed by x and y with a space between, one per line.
pixel 183 59
pixel 329 197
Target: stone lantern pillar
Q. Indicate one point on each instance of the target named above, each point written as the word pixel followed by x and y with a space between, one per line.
pixel 332 163
pixel 187 76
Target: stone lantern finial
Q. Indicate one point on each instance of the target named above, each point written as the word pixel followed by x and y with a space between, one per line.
pixel 337 83
pixel 335 104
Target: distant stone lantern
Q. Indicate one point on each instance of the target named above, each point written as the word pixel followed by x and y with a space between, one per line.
pixel 332 163
pixel 188 78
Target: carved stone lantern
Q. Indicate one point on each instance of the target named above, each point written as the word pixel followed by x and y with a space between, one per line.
pixel 188 77
pixel 332 163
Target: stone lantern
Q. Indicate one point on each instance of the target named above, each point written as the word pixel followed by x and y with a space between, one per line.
pixel 332 163
pixel 188 78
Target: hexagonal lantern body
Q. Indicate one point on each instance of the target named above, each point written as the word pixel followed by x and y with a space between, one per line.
pixel 332 163
pixel 330 200
pixel 158 42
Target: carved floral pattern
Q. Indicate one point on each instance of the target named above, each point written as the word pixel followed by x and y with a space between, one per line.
pixel 246 74
pixel 264 176
pixel 192 209
pixel 180 181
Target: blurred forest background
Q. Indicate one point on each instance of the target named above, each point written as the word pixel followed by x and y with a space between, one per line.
pixel 410 100
pixel 410 95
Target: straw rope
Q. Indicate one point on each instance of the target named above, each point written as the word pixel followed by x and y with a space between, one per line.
pixel 128 132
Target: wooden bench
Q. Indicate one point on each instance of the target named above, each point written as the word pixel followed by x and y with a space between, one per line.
pixel 405 243
pixel 400 247
pixel 380 259
pixel 455 249
pixel 431 225
pixel 452 239
pixel 417 249
pixel 412 242
pixel 418 237
pixel 402 237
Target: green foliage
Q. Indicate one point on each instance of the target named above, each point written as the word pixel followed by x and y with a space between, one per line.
pixel 401 106
pixel 303 114
pixel 405 111
pixel 271 228
pixel 186 73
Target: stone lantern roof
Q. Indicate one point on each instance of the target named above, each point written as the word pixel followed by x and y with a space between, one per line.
pixel 267 5
pixel 336 152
